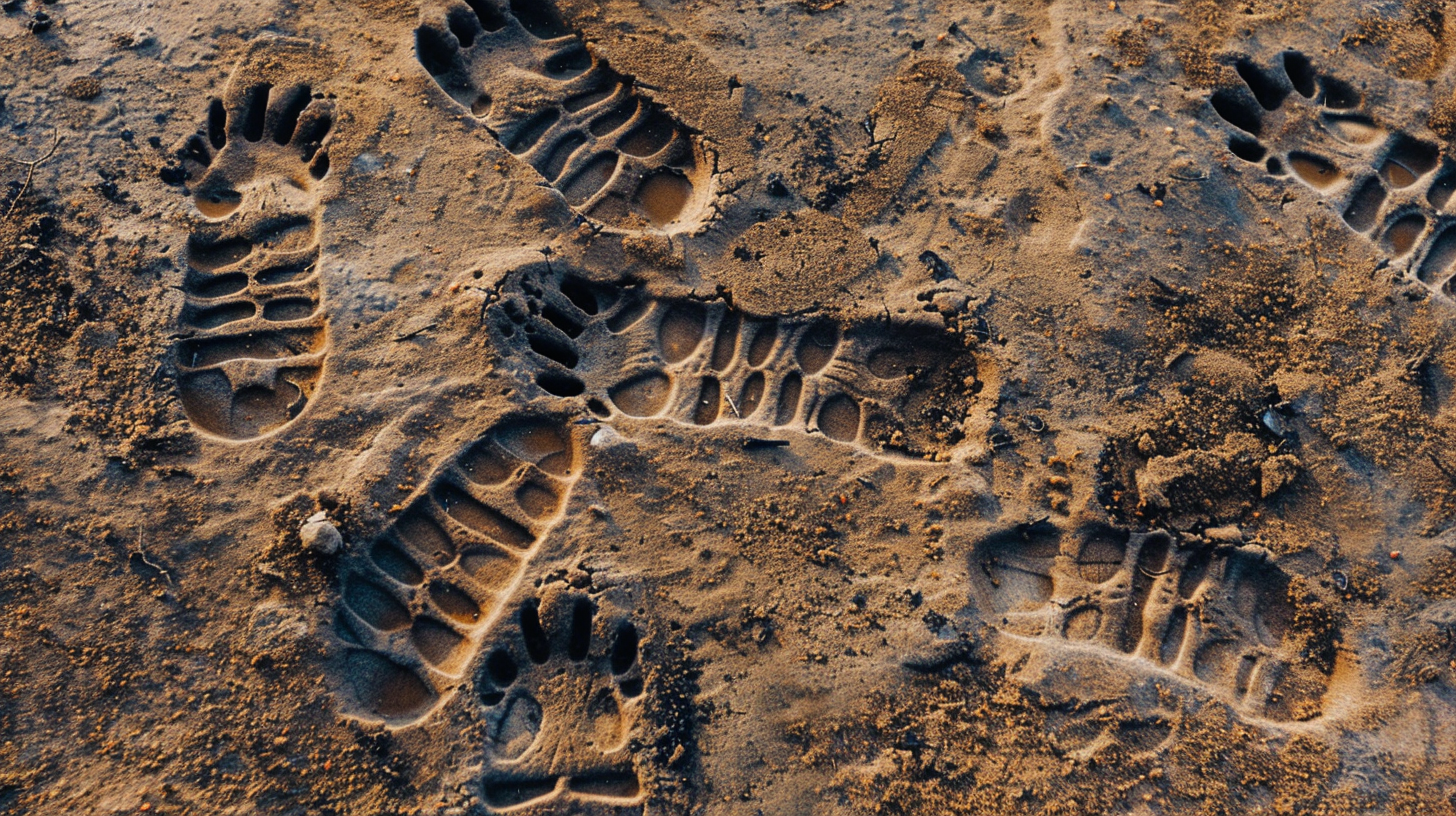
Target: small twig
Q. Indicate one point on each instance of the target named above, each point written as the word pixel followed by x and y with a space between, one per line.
pixel 30 175
pixel 1313 246
pixel 271 571
pixel 400 338
pixel 143 558
pixel 489 297
pixel 140 553
pixel 1165 287
pixel 1444 470
pixel 1414 365
pixel 733 406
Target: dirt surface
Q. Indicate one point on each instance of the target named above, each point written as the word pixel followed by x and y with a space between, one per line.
pixel 715 407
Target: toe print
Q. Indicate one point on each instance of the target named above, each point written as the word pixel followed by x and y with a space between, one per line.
pixel 253 331
pixel 418 600
pixel 1392 187
pixel 562 686
pixel 612 153
pixel 258 128
pixel 1217 619
pixel 626 354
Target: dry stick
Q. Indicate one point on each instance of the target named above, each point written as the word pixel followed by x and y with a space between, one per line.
pixel 30 175
pixel 141 553
pixel 1313 246
pixel 158 567
pixel 1445 471
pixel 400 338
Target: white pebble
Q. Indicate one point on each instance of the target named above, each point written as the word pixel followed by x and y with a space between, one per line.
pixel 605 437
pixel 321 536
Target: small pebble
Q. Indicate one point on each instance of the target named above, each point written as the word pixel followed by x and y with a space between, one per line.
pixel 1395 555
pixel 606 437
pixel 321 536
pixel 1228 534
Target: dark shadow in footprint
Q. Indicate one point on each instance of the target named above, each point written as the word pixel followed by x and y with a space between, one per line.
pixel 1238 109
pixel 1364 207
pixel 1267 90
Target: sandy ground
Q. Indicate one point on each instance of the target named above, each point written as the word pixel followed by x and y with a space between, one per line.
pixel 720 407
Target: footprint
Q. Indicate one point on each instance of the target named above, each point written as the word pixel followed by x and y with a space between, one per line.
pixel 562 688
pixel 416 602
pixel 625 353
pixel 1215 618
pixel 253 333
pixel 614 154
pixel 1389 186
pixel 1113 729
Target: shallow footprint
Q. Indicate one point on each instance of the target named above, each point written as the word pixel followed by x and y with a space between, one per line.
pixel 1157 608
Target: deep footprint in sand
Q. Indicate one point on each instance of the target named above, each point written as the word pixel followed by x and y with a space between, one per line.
pixel 253 332
pixel 1219 619
pixel 613 154
pixel 1387 185
pixel 417 601
pixel 562 688
pixel 623 353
